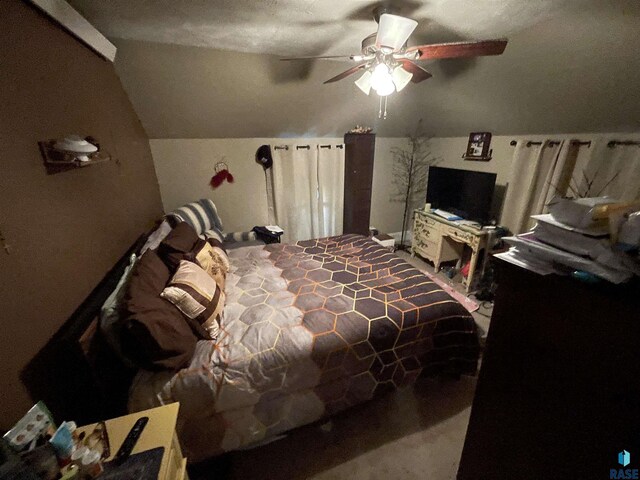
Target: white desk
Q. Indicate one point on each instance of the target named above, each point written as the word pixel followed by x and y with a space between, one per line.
pixel 439 240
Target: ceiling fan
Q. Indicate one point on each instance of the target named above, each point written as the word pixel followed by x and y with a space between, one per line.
pixel 389 64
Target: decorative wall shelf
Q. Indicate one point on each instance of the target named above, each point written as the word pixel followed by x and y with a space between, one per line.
pixel 56 161
pixel 477 159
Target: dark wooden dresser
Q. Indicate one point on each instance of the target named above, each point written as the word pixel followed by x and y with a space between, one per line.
pixel 558 393
pixel 358 177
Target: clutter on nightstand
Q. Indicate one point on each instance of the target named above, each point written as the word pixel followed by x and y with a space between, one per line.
pixel 35 449
pixel 587 238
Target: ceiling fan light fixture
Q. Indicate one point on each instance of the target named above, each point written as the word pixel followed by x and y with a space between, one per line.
pixel 364 82
pixel 382 81
pixel 385 88
pixel 401 77
pixel 379 75
pixel 394 31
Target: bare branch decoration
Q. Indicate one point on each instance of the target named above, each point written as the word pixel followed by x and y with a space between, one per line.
pixel 410 171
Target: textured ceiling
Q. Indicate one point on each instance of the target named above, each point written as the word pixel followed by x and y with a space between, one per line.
pixel 309 27
pixel 571 66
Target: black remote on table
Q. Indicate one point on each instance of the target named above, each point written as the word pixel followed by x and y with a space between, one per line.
pixel 130 441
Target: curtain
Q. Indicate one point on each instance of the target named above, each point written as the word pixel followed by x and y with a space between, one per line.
pixel 330 190
pixel 295 192
pixel 558 179
pixel 520 191
pixel 612 171
pixel 305 190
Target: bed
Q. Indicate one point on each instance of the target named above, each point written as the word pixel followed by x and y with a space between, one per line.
pixel 309 330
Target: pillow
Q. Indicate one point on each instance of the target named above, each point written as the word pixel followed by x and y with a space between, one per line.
pixel 155 335
pixel 154 239
pixel 178 245
pixel 112 311
pixel 196 295
pixel 202 215
pixel 212 258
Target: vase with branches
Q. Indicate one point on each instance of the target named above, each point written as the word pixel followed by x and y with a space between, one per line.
pixel 411 164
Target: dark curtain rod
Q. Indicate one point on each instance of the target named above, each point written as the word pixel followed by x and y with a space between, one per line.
pixel 615 143
pixel 552 143
pixel 303 147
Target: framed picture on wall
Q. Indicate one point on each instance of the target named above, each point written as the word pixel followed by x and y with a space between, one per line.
pixel 478 147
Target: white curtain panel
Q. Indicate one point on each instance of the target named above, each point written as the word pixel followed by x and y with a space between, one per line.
pixel 521 191
pixel 305 190
pixel 295 192
pixel 558 178
pixel 330 190
pixel 612 171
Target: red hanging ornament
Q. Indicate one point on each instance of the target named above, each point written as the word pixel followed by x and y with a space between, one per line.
pixel 221 174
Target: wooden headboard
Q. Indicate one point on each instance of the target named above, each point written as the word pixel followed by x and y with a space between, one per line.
pixel 76 374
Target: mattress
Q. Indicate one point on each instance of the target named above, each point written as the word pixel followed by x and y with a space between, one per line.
pixel 309 330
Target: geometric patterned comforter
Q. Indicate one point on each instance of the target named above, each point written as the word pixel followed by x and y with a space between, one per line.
pixel 309 330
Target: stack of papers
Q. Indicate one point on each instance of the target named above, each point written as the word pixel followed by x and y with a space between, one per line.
pixel 589 242
pixel 575 243
pixel 531 248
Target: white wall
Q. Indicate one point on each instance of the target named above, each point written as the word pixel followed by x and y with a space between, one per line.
pixel 185 166
pixel 386 215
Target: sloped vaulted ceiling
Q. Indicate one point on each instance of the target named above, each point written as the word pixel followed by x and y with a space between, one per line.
pixel 205 69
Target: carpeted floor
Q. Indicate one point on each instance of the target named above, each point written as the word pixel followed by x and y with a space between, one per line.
pixel 413 433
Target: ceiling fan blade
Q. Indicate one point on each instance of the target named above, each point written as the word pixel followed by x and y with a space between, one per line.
pixel 346 73
pixel 394 31
pixel 460 49
pixel 419 73
pixel 345 57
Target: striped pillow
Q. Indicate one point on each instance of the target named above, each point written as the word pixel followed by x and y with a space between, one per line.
pixel 196 295
pixel 240 236
pixel 202 215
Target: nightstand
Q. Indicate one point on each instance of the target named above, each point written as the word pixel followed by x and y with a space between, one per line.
pixel 160 431
pixel 385 240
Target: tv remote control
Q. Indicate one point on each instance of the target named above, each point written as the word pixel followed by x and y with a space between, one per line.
pixel 130 441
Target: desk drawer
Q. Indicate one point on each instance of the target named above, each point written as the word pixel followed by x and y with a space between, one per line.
pixel 421 229
pixel 426 248
pixel 424 220
pixel 459 235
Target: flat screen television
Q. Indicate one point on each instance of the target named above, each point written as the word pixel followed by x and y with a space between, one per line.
pixel 465 193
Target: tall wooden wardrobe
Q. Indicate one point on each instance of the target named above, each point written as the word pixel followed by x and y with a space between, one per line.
pixel 358 177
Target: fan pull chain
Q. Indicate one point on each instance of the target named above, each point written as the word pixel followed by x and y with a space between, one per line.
pixel 382 114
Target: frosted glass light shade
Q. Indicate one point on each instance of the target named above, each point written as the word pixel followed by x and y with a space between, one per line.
pixel 380 75
pixel 401 77
pixel 364 82
pixel 382 81
pixel 394 31
pixel 385 88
